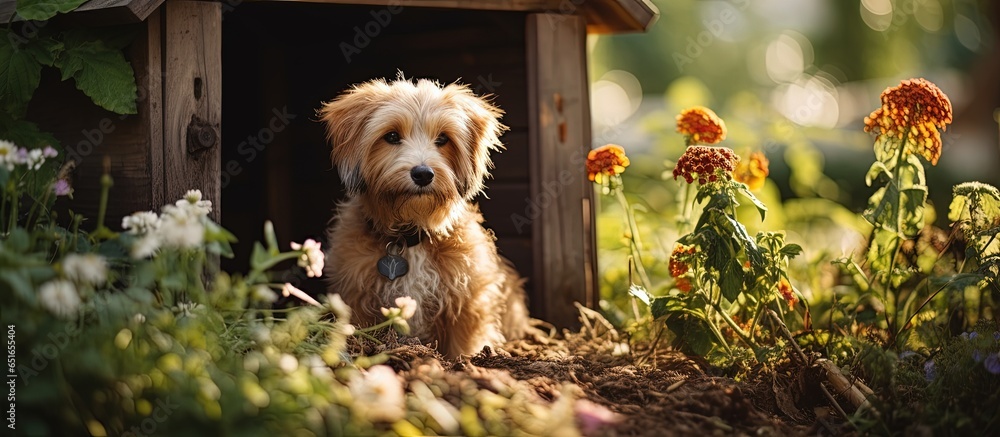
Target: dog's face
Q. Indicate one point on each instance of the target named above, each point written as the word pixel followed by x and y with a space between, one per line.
pixel 412 149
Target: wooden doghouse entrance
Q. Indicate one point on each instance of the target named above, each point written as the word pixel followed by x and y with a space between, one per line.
pixel 281 60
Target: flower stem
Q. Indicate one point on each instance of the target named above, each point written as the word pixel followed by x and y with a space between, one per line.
pixel 635 245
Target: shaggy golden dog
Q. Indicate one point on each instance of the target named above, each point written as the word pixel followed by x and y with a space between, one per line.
pixel 412 154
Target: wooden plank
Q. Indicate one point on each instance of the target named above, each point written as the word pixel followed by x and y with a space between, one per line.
pixel 192 99
pixel 150 85
pixel 559 113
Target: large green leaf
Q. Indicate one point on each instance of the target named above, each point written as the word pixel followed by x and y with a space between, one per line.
pixel 41 10
pixel 101 72
pixel 761 208
pixel 20 73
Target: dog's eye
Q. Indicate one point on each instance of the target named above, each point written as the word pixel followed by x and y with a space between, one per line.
pixel 392 138
pixel 441 140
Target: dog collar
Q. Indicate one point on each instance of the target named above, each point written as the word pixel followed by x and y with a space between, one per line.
pixel 411 236
pixel 393 264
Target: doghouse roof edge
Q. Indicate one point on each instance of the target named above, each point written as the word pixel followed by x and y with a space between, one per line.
pixel 603 16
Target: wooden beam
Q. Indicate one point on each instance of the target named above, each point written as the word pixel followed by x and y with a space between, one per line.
pixel 491 5
pixel 149 81
pixel 559 140
pixel 192 100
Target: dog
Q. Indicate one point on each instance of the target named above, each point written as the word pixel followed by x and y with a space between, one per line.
pixel 412 154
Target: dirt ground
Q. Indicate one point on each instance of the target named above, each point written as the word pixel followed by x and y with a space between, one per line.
pixel 667 394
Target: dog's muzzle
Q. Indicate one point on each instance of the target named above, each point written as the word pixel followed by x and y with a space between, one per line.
pixel 422 175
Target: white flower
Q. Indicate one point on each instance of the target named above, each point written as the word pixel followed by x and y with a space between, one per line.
pixel 34 159
pixel 186 309
pixel 138 318
pixel 378 395
pixel 263 293
pixel 312 257
pixel 8 154
pixel 60 297
pixel 339 308
pixel 180 229
pixel 90 269
pixel 142 222
pixel 288 363
pixel 192 202
pixel 407 306
pixel 290 290
pixel 145 247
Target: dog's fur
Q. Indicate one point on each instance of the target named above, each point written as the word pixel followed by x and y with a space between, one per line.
pixel 467 295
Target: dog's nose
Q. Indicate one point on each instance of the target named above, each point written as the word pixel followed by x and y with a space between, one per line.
pixel 422 175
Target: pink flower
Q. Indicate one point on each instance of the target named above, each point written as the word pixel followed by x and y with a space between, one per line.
pixel 62 188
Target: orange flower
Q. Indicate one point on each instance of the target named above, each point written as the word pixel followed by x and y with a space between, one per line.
pixel 700 125
pixel 679 266
pixel 752 172
pixel 915 109
pixel 706 164
pixel 606 161
pixel 786 292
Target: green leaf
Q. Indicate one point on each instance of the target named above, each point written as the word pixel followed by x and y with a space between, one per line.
pixel 101 72
pixel 41 10
pixel 956 283
pixel 639 293
pixel 20 74
pixel 18 281
pixel 877 169
pixel 731 281
pixel 761 208
pixel 44 50
pixel 791 250
pixel 259 256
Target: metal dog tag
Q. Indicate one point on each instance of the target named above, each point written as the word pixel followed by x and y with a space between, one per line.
pixel 393 265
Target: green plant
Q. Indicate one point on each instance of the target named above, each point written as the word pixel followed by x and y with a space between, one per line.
pixel 720 273
pixel 91 56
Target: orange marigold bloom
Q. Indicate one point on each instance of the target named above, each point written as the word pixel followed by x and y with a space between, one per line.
pixel 786 292
pixel 753 171
pixel 679 266
pixel 701 125
pixel 915 108
pixel 606 161
pixel 706 164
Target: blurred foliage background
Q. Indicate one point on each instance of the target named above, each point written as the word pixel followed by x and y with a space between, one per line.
pixel 795 79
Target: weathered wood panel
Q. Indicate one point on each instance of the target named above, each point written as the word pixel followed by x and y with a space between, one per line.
pixel 192 100
pixel 559 112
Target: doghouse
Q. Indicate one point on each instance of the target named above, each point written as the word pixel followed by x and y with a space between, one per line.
pixel 228 92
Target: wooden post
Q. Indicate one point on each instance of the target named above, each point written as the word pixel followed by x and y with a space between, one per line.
pixel 192 100
pixel 559 140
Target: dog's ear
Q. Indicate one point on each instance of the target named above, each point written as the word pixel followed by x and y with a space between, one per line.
pixel 485 130
pixel 345 118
